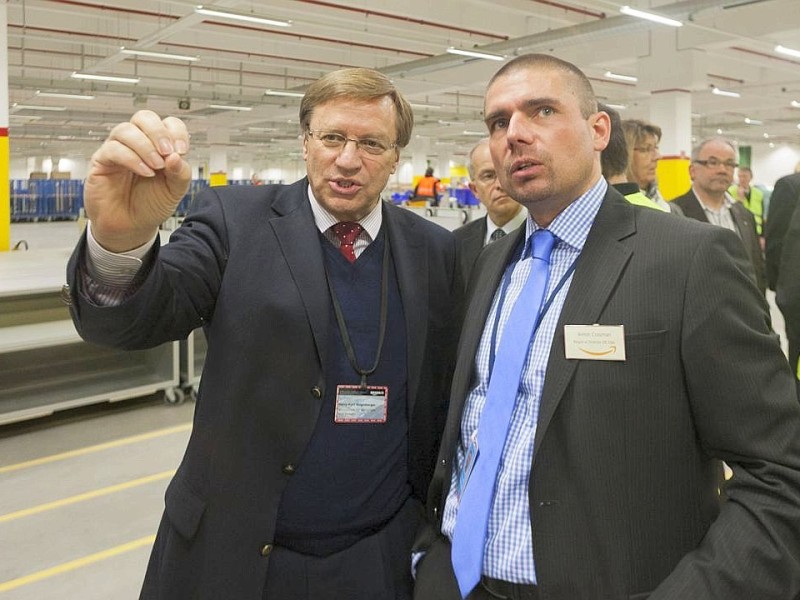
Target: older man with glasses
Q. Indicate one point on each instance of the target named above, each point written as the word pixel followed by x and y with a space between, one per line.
pixel 711 170
pixel 330 318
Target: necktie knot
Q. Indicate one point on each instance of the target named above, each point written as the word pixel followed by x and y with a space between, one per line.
pixel 542 242
pixel 496 235
pixel 347 232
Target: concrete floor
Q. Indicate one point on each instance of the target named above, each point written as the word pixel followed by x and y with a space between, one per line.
pixel 82 497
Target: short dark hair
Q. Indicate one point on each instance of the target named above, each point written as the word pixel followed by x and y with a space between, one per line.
pixel 582 87
pixel 614 158
pixel 358 84
pixel 429 172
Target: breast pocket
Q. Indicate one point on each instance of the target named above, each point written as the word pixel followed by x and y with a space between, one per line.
pixel 645 343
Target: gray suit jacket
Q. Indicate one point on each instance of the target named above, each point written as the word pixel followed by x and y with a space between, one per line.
pixel 623 498
pixel 745 224
pixel 247 265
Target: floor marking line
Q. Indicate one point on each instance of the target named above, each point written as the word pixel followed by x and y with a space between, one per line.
pixel 78 563
pixel 112 489
pixel 97 448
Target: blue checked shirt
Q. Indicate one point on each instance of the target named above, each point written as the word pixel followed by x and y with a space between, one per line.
pixel 509 551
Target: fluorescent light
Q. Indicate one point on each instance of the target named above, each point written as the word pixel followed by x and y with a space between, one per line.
pixel 286 93
pixel 766 136
pixel 616 106
pixel 60 95
pixel 424 105
pixel 480 133
pixel 475 54
pixel 109 78
pixel 445 122
pixel 230 107
pixel 166 55
pixel 618 77
pixel 720 92
pixel 795 103
pixel 648 16
pixel 787 51
pixel 34 107
pixel 750 121
pixel 239 17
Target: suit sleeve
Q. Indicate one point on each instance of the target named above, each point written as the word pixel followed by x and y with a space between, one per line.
pixel 787 290
pixel 781 206
pixel 177 294
pixel 745 411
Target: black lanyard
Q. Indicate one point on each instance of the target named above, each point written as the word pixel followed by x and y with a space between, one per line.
pixel 337 309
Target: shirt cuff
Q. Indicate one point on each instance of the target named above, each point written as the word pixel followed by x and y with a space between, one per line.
pixel 110 268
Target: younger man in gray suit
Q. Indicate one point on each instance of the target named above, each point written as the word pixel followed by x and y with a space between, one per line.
pixel 651 361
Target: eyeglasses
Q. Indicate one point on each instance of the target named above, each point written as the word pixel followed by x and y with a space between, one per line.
pixel 646 149
pixel 332 139
pixel 713 163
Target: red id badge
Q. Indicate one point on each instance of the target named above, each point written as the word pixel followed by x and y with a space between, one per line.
pixel 355 404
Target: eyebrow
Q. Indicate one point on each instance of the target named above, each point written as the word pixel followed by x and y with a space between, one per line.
pixel 528 104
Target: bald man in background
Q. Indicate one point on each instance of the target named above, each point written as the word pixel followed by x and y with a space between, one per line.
pixel 503 215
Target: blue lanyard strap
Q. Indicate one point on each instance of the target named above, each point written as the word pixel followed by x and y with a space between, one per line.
pixel 542 312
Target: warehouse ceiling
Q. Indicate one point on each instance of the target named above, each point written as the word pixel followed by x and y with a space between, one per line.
pixel 724 44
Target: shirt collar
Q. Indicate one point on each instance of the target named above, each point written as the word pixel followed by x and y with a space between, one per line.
pixel 571 226
pixel 325 220
pixel 517 220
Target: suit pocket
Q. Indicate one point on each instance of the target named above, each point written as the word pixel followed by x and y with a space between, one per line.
pixel 645 343
pixel 183 508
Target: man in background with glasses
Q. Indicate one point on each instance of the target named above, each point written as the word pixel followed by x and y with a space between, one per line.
pixel 330 318
pixel 711 171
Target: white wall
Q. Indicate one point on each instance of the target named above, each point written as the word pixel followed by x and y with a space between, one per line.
pixel 770 164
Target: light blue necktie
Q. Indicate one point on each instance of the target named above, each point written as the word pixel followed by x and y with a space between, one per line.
pixel 469 535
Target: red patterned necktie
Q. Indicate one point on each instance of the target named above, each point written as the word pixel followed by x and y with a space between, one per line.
pixel 347 232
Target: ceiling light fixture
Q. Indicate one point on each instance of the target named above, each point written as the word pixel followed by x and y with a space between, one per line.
pixel 230 107
pixel 109 78
pixel 795 103
pixel 475 54
pixel 34 107
pixel 648 16
pixel 166 55
pixel 480 133
pixel 446 122
pixel 424 105
pixel 787 51
pixel 616 106
pixel 619 77
pixel 42 94
pixel 239 17
pixel 286 93
pixel 719 92
pixel 750 121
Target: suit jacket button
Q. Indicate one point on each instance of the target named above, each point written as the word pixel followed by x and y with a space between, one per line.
pixel 266 550
pixel 66 297
pixel 316 392
pixel 288 469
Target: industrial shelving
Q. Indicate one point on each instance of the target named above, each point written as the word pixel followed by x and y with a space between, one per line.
pixel 44 364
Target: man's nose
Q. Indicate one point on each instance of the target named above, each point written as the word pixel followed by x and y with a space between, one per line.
pixel 519 129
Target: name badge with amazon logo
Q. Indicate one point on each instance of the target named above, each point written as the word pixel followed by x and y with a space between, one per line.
pixel 357 404
pixel 594 342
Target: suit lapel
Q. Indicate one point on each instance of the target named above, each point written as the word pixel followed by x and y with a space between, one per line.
pixel 600 265
pixel 298 238
pixel 410 257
